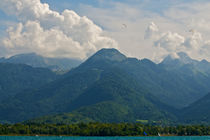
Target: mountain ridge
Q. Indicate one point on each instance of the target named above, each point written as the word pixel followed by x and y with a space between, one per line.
pixel 110 87
pixel 182 59
pixel 36 60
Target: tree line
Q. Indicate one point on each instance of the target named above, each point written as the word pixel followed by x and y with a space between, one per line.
pixel 103 129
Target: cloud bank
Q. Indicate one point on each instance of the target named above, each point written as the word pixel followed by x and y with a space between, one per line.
pixel 172 42
pixel 168 33
pixel 50 33
pixel 66 34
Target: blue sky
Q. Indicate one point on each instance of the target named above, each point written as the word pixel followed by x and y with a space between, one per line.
pixel 155 6
pixel 165 23
pixel 151 5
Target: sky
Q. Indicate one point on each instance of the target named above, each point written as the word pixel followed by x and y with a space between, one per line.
pixel 150 29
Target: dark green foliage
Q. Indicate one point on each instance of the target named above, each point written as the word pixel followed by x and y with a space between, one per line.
pixel 102 129
pixel 64 118
pixel 198 112
pixel 113 98
pixel 53 98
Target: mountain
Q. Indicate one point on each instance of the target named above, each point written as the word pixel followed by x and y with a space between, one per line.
pixel 198 112
pixel 111 87
pixel 15 78
pixel 182 60
pixel 203 66
pixel 115 98
pixel 98 89
pixel 35 60
pixel 193 77
pixel 176 62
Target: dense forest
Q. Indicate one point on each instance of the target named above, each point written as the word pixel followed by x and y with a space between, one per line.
pixel 102 129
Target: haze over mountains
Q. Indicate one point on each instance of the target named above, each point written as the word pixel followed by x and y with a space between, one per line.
pixel 184 60
pixel 110 87
pixel 35 60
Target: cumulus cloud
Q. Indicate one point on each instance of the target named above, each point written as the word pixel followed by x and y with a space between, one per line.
pixel 152 31
pixel 132 40
pixel 172 43
pixel 50 33
pixel 194 41
pixel 174 55
pixel 205 49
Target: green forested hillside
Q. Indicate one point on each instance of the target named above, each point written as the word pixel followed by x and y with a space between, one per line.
pixel 15 78
pixel 197 112
pixel 114 98
pixel 190 79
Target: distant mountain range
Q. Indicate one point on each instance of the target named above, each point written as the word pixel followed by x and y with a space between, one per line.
pixel 34 60
pixel 110 87
pixel 183 59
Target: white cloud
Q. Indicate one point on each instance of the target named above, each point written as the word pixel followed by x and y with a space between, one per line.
pixel 32 37
pixel 205 49
pixel 171 35
pixel 174 55
pixel 152 31
pixel 50 33
pixel 131 39
pixel 171 42
pixel 194 41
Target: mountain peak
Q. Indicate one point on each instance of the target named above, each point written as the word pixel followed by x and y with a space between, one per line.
pixel 204 61
pixel 178 58
pixel 109 54
pixel 183 55
pixel 184 58
pixel 170 59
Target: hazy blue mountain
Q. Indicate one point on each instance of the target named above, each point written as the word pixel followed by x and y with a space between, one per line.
pixel 183 59
pixel 35 60
pixel 203 66
pixel 17 77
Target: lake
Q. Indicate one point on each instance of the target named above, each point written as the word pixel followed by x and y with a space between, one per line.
pixel 102 138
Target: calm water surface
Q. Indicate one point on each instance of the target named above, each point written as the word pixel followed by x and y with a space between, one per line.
pixel 102 138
